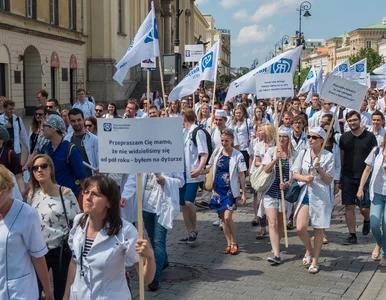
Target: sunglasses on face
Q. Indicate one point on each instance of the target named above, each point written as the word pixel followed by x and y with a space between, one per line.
pixel 42 166
pixel 314 137
pixel 49 106
pixel 88 125
pixel 39 114
pixel 98 110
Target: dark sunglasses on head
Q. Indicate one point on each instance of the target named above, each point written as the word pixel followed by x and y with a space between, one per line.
pixel 314 137
pixel 39 114
pixel 98 110
pixel 42 166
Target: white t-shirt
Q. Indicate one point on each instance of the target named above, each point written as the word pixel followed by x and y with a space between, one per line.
pixel 379 182
pixel 150 182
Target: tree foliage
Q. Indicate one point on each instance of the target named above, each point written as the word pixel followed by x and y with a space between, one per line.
pixel 303 76
pixel 374 59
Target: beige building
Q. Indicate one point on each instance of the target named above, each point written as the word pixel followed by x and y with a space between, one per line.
pixel 42 45
pixel 342 47
pixel 313 59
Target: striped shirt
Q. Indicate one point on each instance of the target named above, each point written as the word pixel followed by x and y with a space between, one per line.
pixel 274 190
pixel 87 246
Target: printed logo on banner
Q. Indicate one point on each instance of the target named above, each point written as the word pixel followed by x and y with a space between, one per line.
pixel 343 68
pixel 360 68
pixel 187 53
pixel 310 75
pixel 150 38
pixel 107 127
pixel 207 61
pixel 284 65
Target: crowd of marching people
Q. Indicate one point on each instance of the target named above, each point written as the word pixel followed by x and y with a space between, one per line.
pixel 59 212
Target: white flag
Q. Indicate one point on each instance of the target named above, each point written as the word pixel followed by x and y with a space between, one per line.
pixel 342 69
pixel 284 63
pixel 316 87
pixel 381 70
pixel 358 72
pixel 205 69
pixel 310 79
pixel 145 45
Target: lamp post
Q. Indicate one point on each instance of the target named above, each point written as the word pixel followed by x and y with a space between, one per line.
pixel 304 7
pixel 277 47
pixel 284 41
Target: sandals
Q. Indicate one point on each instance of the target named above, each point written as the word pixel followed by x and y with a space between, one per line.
pixel 234 249
pixel 313 269
pixel 227 250
pixel 254 222
pixel 307 260
pixel 375 255
pixel 260 235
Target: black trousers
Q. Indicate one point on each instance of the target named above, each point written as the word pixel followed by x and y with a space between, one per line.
pixel 59 274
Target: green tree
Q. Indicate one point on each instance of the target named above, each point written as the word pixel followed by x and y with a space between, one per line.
pixel 303 76
pixel 374 59
pixel 243 71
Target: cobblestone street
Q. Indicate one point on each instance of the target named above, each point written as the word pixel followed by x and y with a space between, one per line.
pixel 203 272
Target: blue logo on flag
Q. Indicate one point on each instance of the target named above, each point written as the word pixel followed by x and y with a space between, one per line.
pixel 360 68
pixel 310 75
pixel 107 127
pixel 150 38
pixel 284 65
pixel 343 68
pixel 187 53
pixel 207 61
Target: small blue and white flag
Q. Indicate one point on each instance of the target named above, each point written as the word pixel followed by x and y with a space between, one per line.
pixel 342 69
pixel 358 72
pixel 316 87
pixel 205 69
pixel 144 45
pixel 284 63
pixel 381 70
pixel 310 79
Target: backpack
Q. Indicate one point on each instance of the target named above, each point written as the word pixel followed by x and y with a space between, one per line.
pixel 208 140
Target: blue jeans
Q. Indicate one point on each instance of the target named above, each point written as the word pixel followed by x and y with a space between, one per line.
pixel 378 206
pixel 157 236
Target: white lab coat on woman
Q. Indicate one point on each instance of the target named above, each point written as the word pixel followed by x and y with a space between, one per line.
pixel 236 165
pixel 320 193
pixel 20 239
pixel 375 161
pixel 191 152
pixel 104 266
pixel 244 132
pixel 164 201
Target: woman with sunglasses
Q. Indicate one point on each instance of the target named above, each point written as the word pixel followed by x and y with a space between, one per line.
pixel 157 99
pixel 103 244
pixel 57 206
pixel 35 129
pixel 315 201
pixel 22 247
pixel 91 125
pixel 272 197
pixel 228 176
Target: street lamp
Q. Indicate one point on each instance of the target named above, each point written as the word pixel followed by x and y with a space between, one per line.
pixel 304 7
pixel 284 41
pixel 277 47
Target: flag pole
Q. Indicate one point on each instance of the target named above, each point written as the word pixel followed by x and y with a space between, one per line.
pixel 162 82
pixel 148 90
pixel 281 177
pixel 141 236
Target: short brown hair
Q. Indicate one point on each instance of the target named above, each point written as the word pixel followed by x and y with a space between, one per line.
pixel 299 118
pixel 8 102
pixel 189 114
pixel 43 93
pixel 132 101
pixel 80 90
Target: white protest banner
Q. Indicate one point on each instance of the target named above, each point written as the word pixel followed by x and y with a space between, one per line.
pixel 143 145
pixel 342 69
pixel 193 53
pixel 377 81
pixel 343 92
pixel 148 64
pixel 274 85
pixel 381 70
pixel 310 80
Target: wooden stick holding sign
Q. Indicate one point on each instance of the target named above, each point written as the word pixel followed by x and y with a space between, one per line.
pixel 327 137
pixel 140 235
pixel 148 90
pixel 161 73
pixel 281 177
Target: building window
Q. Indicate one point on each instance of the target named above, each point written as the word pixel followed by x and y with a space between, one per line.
pixel 120 16
pixel 54 14
pixel 72 13
pixel 368 44
pixel 31 8
pixel 4 5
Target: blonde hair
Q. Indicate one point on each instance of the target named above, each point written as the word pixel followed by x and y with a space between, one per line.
pixel 243 112
pixel 229 133
pixel 269 130
pixel 199 115
pixel 6 181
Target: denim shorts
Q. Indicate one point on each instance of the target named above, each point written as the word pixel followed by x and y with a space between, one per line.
pixel 306 200
pixel 188 192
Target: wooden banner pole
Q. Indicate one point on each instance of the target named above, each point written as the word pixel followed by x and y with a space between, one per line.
pixel 148 90
pixel 162 83
pixel 281 177
pixel 140 235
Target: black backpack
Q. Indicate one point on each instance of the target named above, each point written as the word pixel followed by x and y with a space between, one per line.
pixel 208 140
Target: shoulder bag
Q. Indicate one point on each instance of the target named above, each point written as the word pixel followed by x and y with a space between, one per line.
pixel 64 247
pixel 293 191
pixel 208 183
pixel 260 180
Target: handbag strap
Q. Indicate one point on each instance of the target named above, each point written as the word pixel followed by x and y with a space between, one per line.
pixel 64 207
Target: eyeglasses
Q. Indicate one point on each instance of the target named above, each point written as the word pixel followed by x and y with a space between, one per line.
pixel 42 166
pixel 98 110
pixel 49 106
pixel 38 115
pixel 314 137
pixel 88 125
pixel 353 120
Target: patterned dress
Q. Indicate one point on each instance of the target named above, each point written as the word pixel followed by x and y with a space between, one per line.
pixel 222 198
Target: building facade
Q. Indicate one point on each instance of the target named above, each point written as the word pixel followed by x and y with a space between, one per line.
pixel 42 45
